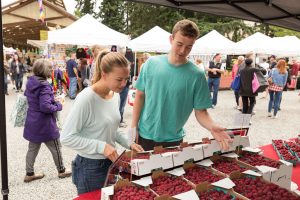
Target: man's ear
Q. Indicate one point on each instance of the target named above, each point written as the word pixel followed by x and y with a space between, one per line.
pixel 171 39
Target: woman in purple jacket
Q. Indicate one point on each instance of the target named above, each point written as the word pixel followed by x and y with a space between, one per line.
pixel 40 125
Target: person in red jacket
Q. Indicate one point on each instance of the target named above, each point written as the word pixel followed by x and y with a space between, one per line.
pixel 295 68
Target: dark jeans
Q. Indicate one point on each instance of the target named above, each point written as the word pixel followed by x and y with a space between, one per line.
pixel 19 81
pixel 150 144
pixel 213 86
pixel 123 97
pixel 247 109
pixel 5 83
pixel 89 174
pixel 237 96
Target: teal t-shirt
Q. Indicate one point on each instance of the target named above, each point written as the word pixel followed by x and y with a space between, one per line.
pixel 171 94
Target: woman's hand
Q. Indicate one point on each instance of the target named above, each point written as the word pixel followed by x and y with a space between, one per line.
pixel 136 147
pixel 110 152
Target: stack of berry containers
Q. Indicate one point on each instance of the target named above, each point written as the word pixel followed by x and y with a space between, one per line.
pixel 126 190
pixel 255 159
pixel 256 188
pixel 228 165
pixel 294 148
pixel 124 163
pixel 164 184
pixel 198 174
pixel 207 191
pixel 283 152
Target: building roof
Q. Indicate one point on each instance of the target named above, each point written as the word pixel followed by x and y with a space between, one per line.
pixel 21 19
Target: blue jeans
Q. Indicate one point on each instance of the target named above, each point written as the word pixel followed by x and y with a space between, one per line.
pixel 19 81
pixel 73 87
pixel 213 86
pixel 89 174
pixel 274 100
pixel 123 97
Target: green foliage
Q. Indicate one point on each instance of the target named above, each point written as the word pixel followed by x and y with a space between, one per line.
pixel 112 14
pixel 85 7
pixel 136 18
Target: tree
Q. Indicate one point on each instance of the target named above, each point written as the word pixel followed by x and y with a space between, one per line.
pixel 112 14
pixel 85 7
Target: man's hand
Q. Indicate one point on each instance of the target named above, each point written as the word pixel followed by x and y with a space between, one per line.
pixel 221 136
pixel 136 147
pixel 110 152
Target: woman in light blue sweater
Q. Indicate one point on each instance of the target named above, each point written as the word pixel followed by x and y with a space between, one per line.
pixel 278 77
pixel 91 127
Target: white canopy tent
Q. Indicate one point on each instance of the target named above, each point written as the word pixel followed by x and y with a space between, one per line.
pixel 257 43
pixel 287 45
pixel 211 43
pixel 87 31
pixel 154 40
pixel 9 50
pixel 42 44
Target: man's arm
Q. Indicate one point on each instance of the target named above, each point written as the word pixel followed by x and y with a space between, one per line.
pixel 75 71
pixel 217 132
pixel 137 108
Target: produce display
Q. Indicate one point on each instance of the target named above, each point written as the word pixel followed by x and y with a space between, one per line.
pixel 257 160
pixel 199 175
pixel 283 152
pixel 256 189
pixel 215 195
pixel 294 148
pixel 133 193
pixel 160 151
pixel 199 178
pixel 169 185
pixel 227 167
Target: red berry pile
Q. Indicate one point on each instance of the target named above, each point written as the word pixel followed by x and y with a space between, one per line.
pixel 227 167
pixel 214 195
pixel 283 150
pixel 255 189
pixel 136 156
pixel 165 151
pixel 256 160
pixel 198 175
pixel 295 148
pixel 170 185
pixel 133 193
pixel 297 140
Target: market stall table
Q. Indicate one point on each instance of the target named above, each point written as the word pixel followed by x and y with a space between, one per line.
pixel 268 151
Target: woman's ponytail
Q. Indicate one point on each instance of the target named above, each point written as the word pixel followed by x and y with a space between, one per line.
pixel 98 69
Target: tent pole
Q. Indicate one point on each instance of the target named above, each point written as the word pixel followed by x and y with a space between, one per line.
pixel 135 64
pixel 3 142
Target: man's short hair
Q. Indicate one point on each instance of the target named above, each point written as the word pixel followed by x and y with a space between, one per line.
pixel 217 54
pixel 187 28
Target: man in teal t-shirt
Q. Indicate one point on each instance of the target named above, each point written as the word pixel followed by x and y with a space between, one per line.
pixel 169 87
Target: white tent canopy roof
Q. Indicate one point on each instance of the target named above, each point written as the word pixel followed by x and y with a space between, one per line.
pixel 211 43
pixel 154 40
pixel 257 43
pixel 38 43
pixel 87 31
pixel 287 45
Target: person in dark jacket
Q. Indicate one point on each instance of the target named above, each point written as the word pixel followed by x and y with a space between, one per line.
pixel 40 125
pixel 17 70
pixel 246 86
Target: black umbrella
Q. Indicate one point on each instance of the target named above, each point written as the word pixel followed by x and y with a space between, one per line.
pixel 3 144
